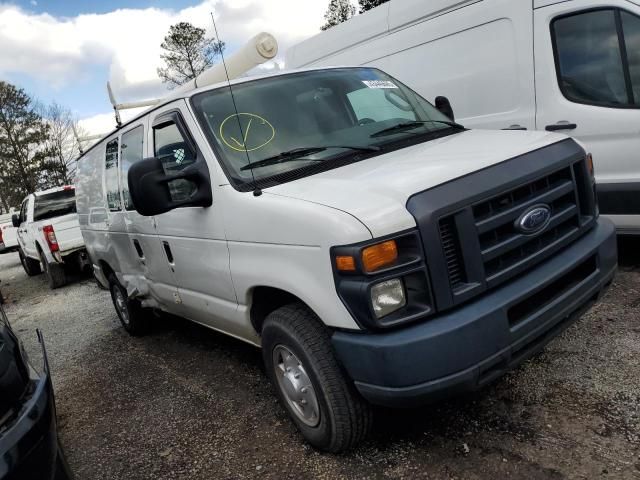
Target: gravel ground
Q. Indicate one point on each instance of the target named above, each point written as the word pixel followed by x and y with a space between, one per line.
pixel 188 403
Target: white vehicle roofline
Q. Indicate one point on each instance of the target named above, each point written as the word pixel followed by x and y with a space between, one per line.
pixel 191 93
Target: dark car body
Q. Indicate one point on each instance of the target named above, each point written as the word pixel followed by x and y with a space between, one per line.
pixel 29 446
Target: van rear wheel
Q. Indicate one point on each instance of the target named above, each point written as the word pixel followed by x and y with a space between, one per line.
pixel 56 276
pixel 31 266
pixel 321 400
pixel 133 317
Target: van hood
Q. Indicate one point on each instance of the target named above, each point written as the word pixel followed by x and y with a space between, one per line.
pixel 376 190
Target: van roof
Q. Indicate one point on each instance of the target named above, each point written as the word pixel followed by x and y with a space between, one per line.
pixel 382 20
pixel 188 94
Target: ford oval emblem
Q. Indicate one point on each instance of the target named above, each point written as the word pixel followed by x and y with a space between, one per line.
pixel 534 219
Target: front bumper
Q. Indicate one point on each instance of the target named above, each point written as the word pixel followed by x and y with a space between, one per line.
pixel 465 349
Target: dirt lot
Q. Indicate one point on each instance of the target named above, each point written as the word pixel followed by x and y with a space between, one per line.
pixel 187 403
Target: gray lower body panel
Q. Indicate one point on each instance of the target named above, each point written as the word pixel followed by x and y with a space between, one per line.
pixel 468 347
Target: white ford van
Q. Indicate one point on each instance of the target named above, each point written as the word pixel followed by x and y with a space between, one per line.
pixel 377 252
pixel 558 65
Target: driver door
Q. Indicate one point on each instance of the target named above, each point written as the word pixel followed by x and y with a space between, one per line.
pixel 193 239
pixel 588 86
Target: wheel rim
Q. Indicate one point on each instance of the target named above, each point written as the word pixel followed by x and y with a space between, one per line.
pixel 295 385
pixel 121 304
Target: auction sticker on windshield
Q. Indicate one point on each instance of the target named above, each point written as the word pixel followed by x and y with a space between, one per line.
pixel 379 84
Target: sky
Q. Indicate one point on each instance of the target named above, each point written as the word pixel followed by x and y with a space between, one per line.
pixel 66 50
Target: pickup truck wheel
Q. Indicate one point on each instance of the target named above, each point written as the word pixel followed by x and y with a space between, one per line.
pixel 31 266
pixel 310 384
pixel 133 317
pixel 54 271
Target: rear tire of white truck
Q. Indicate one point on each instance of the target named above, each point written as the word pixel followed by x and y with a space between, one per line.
pixel 31 266
pixel 310 384
pixel 134 318
pixel 56 275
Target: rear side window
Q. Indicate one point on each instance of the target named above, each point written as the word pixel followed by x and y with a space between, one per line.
pixel 631 28
pixel 55 204
pixel 174 152
pixel 597 57
pixel 111 176
pixel 130 153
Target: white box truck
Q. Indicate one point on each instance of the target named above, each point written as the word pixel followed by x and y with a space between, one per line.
pixel 571 66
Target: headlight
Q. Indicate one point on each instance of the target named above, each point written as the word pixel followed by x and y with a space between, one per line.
pixel 387 297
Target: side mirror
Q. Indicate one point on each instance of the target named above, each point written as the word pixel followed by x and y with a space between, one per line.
pixel 15 220
pixel 444 106
pixel 154 192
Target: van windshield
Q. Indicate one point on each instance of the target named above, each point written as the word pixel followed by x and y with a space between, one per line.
pixel 54 204
pixel 287 127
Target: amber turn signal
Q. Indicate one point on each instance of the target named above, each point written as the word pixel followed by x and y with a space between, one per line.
pixel 590 165
pixel 380 255
pixel 346 264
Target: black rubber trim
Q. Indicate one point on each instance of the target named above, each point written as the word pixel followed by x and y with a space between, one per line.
pixel 560 126
pixel 619 198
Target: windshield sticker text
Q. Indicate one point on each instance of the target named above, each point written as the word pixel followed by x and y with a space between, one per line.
pixel 379 84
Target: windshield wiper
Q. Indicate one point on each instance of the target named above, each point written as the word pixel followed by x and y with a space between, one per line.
pixel 411 125
pixel 300 153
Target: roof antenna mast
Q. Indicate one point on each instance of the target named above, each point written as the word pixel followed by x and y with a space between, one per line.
pixel 256 190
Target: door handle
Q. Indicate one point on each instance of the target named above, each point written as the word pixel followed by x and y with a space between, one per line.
pixel 167 250
pixel 136 245
pixel 515 127
pixel 561 126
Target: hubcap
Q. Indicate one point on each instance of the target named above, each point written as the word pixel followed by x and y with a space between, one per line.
pixel 121 304
pixel 296 386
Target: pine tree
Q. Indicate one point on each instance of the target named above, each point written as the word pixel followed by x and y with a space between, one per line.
pixel 22 137
pixel 339 11
pixel 187 53
pixel 369 4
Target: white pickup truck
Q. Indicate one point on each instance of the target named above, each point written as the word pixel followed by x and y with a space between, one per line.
pixel 49 234
pixel 8 234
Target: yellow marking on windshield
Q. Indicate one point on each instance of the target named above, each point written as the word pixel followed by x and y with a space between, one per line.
pixel 256 140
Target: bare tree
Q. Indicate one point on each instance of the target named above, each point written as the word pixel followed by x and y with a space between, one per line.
pixel 61 147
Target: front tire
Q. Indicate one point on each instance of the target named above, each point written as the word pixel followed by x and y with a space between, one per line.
pixel 31 266
pixel 56 275
pixel 321 400
pixel 133 317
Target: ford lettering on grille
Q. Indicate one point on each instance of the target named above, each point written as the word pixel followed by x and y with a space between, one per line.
pixel 534 220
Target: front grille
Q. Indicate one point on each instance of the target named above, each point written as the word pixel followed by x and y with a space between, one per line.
pixel 501 245
pixel 502 249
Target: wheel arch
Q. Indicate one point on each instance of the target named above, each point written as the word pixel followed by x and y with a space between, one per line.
pixel 265 299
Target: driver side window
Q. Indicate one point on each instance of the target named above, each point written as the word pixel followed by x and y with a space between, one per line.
pixel 596 57
pixel 175 154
